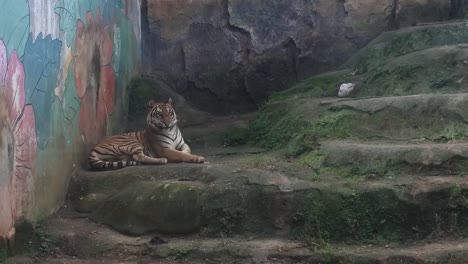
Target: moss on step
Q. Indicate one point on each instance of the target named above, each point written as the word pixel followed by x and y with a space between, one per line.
pixel 448 212
pixel 369 119
pixel 296 128
pixel 324 85
pixel 224 211
pixel 153 206
pixel 373 161
pixel 274 127
pixel 382 215
pixel 236 137
pixel 375 216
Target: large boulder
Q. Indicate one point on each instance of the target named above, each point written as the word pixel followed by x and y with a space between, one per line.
pixel 228 56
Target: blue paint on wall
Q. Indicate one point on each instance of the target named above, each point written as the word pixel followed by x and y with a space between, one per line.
pixel 41 65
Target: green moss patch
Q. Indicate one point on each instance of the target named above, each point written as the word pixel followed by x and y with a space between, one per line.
pixel 381 215
pixel 271 128
pixel 396 43
pixel 368 216
pixel 432 70
pixel 324 85
pixel 298 125
pixel 30 239
pixel 152 206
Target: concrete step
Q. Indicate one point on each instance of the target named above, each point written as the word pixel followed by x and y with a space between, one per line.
pixel 237 194
pixel 298 126
pixel 90 243
pixel 383 159
pixel 434 117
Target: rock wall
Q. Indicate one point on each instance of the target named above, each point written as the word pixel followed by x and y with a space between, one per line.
pixel 230 55
pixel 64 69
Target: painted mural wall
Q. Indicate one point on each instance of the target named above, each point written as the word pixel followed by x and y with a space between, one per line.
pixel 64 69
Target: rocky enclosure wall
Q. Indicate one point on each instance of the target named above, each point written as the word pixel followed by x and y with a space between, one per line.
pixel 64 69
pixel 229 55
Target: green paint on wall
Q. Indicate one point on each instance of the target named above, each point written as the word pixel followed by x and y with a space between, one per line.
pixel 14 25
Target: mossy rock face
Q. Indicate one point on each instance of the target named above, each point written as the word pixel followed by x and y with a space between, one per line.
pixel 433 70
pixel 146 206
pixel 423 59
pixel 401 42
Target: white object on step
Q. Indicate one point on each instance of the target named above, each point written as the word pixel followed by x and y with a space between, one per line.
pixel 345 89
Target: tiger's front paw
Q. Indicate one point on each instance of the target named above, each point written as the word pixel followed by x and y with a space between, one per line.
pixel 198 159
pixel 163 161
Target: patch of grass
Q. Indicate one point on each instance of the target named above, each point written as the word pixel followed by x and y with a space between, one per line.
pixel 261 161
pixel 3 255
pixel 333 124
pixel 441 80
pixel 33 240
pixel 275 127
pixel 301 144
pixel 236 137
pixel 324 85
pixel 451 132
pixel 229 220
pixel 40 244
pixel 225 212
pixel 458 202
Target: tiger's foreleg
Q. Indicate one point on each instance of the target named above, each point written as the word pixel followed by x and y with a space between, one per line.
pixel 181 156
pixel 185 148
pixel 140 157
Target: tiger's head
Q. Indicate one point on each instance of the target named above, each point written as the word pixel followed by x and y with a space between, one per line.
pixel 161 115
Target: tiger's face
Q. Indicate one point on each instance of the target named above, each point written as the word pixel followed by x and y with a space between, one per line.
pixel 161 115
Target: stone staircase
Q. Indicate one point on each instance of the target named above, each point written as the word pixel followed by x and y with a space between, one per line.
pixel 377 178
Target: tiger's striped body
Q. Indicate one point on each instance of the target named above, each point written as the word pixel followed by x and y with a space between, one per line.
pixel 159 143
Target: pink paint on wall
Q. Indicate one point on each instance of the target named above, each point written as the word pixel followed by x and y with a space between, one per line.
pixel 94 76
pixel 18 148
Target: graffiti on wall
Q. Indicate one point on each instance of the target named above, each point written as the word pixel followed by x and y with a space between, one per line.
pixel 64 68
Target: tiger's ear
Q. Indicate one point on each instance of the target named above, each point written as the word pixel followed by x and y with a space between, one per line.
pixel 151 104
pixel 169 101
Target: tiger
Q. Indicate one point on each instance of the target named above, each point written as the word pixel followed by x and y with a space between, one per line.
pixel 159 143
